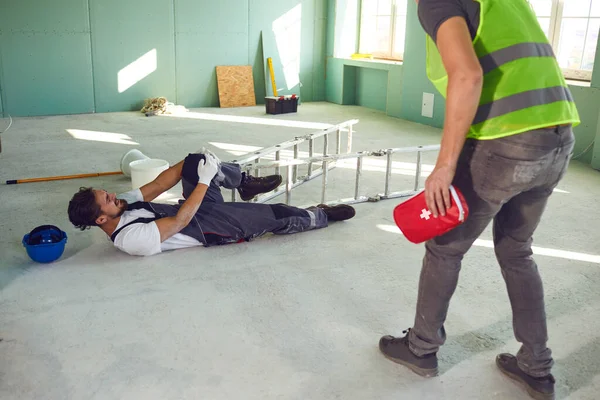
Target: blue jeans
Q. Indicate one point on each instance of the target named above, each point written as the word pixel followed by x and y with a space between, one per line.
pixel 508 182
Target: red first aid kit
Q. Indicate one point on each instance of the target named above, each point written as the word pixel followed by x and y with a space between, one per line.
pixel 418 224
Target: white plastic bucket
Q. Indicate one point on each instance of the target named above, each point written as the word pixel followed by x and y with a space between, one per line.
pixel 145 171
pixel 128 158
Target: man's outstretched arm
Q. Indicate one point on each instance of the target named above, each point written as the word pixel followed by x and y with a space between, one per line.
pixel 163 182
pixel 465 81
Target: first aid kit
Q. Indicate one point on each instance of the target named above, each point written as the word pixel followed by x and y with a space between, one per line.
pixel 417 222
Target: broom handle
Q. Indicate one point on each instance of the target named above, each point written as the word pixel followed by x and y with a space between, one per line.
pixel 58 178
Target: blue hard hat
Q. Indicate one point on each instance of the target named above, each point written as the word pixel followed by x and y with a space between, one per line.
pixel 45 244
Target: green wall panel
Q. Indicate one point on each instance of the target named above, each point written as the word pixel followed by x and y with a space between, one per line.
pixel 331 17
pixel 596 155
pixel 285 84
pixel 263 14
pixel 371 88
pixel 196 66
pixel 320 49
pixel 208 16
pixel 1 74
pixel 587 100
pixel 319 59
pixel 394 91
pixel 136 37
pixel 208 34
pixel 259 65
pixel 334 80
pixel 47 74
pixel 48 17
pixel 415 81
pixel 45 58
pixel 289 31
pixel 349 86
pixel 307 50
pixel 114 54
pixel 596 73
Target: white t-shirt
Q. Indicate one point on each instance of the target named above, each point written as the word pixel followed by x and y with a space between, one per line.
pixel 144 239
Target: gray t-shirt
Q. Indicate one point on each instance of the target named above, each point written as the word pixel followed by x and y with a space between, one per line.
pixel 432 13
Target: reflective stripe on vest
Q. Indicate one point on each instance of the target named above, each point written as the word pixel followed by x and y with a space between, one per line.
pixel 500 57
pixel 521 101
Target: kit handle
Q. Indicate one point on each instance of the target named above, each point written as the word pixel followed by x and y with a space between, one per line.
pixel 461 210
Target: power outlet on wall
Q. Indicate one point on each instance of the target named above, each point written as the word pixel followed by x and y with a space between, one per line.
pixel 427 109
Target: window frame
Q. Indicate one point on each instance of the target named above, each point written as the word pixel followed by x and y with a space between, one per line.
pixel 390 54
pixel 554 31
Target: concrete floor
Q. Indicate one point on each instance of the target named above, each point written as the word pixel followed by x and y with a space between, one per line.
pixel 294 317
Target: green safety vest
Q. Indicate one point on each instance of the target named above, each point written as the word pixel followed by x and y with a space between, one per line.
pixel 523 85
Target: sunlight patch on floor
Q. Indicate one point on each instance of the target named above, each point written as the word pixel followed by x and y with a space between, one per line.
pixel 541 251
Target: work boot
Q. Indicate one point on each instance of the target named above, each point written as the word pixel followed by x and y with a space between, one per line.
pixel 251 186
pixel 340 212
pixel 397 350
pixel 538 388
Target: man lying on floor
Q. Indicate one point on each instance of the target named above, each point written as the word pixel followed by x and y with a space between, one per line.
pixel 139 227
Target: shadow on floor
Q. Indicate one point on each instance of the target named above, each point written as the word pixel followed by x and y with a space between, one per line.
pixel 578 369
pixel 495 336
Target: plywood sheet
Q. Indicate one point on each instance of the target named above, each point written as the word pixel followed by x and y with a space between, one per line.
pixel 236 86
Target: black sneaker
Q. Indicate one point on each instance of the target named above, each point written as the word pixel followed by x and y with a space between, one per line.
pixel 340 212
pixel 538 388
pixel 252 186
pixel 397 350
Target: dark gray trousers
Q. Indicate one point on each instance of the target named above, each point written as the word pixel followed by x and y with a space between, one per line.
pixel 229 177
pixel 248 220
pixel 508 182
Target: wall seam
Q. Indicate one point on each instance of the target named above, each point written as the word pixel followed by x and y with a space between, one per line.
pixel 248 33
pixel 2 87
pixel 92 56
pixel 314 58
pixel 175 51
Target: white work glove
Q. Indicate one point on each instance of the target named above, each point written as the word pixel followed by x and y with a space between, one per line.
pixel 203 150
pixel 207 169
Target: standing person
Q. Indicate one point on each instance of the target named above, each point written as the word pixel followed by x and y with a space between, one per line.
pixel 507 142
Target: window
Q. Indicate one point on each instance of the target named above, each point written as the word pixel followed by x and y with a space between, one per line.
pixel 572 28
pixel 383 28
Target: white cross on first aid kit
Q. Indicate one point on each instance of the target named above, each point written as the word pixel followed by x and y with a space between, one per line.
pixel 425 214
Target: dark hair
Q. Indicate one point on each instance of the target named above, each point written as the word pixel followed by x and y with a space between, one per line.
pixel 83 209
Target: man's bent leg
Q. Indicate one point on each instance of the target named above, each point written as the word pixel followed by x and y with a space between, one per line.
pixel 229 176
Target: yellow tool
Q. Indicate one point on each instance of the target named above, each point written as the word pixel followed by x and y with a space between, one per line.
pixel 358 56
pixel 270 62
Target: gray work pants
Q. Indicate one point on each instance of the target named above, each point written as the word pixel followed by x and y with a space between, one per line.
pixel 507 181
pixel 239 219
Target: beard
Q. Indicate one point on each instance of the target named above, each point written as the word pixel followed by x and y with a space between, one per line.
pixel 122 204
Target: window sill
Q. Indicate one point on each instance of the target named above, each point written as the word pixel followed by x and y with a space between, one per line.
pixel 375 60
pixel 579 83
